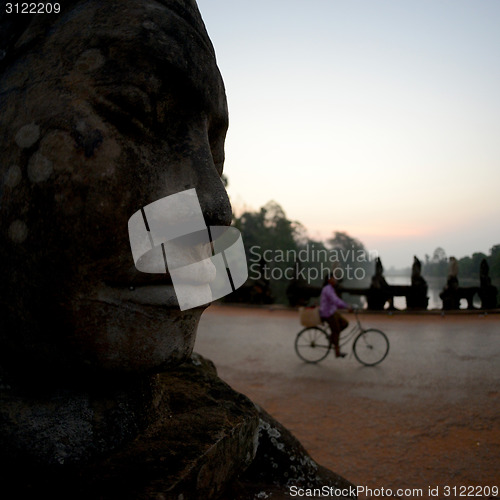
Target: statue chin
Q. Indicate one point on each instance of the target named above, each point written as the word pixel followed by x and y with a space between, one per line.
pixel 126 331
pixel 113 335
pixel 100 387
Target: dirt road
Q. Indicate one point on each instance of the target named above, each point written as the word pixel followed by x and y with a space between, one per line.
pixel 428 416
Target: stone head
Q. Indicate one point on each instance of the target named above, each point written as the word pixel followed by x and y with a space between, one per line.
pixel 104 108
pixel 416 267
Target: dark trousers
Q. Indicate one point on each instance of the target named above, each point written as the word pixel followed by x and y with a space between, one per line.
pixel 337 323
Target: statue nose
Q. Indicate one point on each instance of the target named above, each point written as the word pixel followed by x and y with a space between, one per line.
pixel 215 204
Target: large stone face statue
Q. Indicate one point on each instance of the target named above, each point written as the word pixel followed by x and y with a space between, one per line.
pixel 104 109
pixel 94 127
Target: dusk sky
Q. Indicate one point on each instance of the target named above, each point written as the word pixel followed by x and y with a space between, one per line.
pixel 380 118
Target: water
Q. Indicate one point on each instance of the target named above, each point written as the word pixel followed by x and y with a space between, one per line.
pixel 436 286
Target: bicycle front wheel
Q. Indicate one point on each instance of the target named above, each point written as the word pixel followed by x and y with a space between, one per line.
pixel 312 344
pixel 371 347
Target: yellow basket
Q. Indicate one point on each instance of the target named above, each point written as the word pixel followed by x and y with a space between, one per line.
pixel 309 316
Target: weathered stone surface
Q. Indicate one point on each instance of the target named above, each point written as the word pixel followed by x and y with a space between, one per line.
pixel 203 436
pixel 72 426
pixel 207 441
pixel 282 462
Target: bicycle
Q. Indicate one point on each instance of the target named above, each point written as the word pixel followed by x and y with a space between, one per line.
pixel 370 346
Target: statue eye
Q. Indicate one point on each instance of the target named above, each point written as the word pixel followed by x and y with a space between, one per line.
pixel 130 98
pixel 126 106
pixel 216 136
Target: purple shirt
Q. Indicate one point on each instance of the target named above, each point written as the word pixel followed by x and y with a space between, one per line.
pixel 329 302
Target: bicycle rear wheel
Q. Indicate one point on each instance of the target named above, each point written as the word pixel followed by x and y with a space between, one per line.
pixel 371 347
pixel 312 344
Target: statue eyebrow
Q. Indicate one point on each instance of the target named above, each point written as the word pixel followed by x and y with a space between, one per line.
pixel 189 92
pixel 199 93
pixel 115 113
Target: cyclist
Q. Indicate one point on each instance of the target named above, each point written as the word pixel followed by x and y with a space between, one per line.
pixel 329 304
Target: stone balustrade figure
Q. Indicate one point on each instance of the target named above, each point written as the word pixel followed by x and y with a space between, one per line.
pixel 417 295
pixel 378 293
pixel 450 294
pixel 487 291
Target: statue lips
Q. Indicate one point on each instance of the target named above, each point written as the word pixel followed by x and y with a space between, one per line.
pixel 159 295
pixel 170 236
pixel 157 289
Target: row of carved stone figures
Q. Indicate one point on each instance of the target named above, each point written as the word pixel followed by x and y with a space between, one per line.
pixel 381 292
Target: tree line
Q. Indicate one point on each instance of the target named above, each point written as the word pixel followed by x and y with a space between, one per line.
pixel 468 266
pixel 279 251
